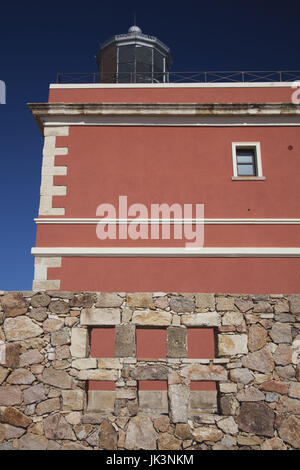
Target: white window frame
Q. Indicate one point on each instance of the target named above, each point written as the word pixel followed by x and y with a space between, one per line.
pixel 256 147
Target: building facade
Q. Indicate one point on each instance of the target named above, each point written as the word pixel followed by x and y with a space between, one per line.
pixel 232 148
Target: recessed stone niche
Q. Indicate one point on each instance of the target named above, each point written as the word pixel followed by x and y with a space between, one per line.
pixel 114 347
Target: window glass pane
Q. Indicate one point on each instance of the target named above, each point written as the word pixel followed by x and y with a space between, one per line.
pixel 246 170
pixel 245 152
pixel 242 159
pixel 126 54
pixel 246 161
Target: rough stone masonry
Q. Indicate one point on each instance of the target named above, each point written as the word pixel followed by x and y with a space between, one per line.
pixel 45 364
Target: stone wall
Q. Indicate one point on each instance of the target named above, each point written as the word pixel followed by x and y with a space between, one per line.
pixel 45 366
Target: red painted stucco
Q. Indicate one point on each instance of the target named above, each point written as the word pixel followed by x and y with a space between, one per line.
pixel 153 384
pixel 214 235
pixel 172 95
pixel 101 385
pixel 103 342
pixel 151 343
pixel 178 165
pixel 233 275
pixel 201 343
pixel 185 165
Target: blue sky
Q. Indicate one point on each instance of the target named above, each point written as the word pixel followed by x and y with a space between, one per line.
pixel 39 39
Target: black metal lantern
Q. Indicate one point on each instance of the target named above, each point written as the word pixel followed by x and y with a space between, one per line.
pixel 134 58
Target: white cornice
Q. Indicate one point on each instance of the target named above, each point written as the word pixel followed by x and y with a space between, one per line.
pixel 167 252
pixel 93 86
pixel 206 221
pixel 165 114
pixel 163 109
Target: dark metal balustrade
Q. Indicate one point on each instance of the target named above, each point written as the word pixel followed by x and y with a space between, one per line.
pixel 183 77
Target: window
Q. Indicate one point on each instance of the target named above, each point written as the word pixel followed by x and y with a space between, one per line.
pixel 246 162
pixel 246 157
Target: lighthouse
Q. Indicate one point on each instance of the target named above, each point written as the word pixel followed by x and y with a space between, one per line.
pixel 129 158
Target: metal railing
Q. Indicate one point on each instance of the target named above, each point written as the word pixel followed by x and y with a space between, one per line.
pixel 183 77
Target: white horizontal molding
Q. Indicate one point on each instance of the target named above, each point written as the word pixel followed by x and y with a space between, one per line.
pixel 95 86
pixel 172 121
pixel 164 114
pixel 169 252
pixel 206 221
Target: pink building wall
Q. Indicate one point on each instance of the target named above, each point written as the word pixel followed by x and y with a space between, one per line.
pixel 157 164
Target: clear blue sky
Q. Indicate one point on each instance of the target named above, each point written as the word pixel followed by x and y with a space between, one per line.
pixel 39 39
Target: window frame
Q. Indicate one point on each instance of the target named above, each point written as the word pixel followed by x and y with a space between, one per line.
pixel 258 163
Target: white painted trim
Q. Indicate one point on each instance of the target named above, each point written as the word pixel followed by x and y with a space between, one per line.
pixel 171 121
pixel 254 145
pixel 62 86
pixel 248 178
pixel 167 252
pixel 212 221
pixel 49 170
pixel 41 266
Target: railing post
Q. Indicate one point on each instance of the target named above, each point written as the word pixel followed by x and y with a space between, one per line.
pixel 280 76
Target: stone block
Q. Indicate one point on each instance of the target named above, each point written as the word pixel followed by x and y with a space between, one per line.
pixel 261 361
pixel 203 401
pixel 153 402
pixel 59 307
pixel 8 432
pixel 151 318
pixel 101 401
pixel 256 418
pixel 125 344
pixel 98 374
pixel 207 433
pixel 57 378
pixel 14 304
pixel 141 434
pixel 34 394
pixel 15 417
pixel 40 300
pixel 179 395
pixel 20 328
pixel 150 372
pixel 108 300
pixel 73 400
pixel 225 303
pixel 12 355
pixel 33 356
pixel 232 319
pixel 281 333
pixel 202 319
pixel 21 377
pixel 61 337
pixel 82 300
pixel 109 363
pixel 32 441
pixel 295 303
pixel 176 342
pixel 198 372
pixel 100 316
pixel 47 406
pixel 289 431
pixel 140 300
pixel 56 427
pixel 85 363
pixel 257 337
pixel 205 301
pixel 169 442
pixel 231 345
pixel 79 342
pixel 182 304
pixel 108 436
